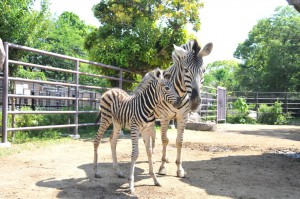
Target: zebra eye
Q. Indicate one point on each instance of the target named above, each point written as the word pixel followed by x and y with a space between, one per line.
pixel 167 88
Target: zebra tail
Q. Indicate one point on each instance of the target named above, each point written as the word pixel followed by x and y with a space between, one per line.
pixel 98 118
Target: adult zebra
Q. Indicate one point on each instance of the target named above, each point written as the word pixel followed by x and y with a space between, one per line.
pixel 134 112
pixel 188 87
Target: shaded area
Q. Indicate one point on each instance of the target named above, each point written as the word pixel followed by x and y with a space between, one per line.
pixel 258 176
pixel 91 187
pixel 280 132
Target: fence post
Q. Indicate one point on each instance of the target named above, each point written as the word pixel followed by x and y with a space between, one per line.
pixel 76 96
pixel 5 97
pixel 286 103
pixel 121 80
pixel 13 108
pixel 221 104
pixel 33 100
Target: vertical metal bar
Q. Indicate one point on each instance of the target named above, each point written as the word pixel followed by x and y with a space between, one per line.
pixel 13 108
pixel 5 95
pixel 121 80
pixel 68 108
pixel 218 105
pixel 77 96
pixel 286 103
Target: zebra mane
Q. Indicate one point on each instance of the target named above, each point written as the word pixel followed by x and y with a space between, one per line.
pixel 147 80
pixel 192 46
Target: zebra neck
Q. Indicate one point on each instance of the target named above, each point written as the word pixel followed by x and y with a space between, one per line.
pixel 149 99
pixel 177 78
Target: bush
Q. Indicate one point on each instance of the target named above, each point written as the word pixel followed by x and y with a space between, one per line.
pixel 240 113
pixel 29 120
pixel 272 114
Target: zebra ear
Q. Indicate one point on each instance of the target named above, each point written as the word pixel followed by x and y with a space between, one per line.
pixel 206 50
pixel 158 74
pixel 180 51
pixel 166 75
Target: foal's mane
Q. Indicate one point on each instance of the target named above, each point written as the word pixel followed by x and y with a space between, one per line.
pixel 147 80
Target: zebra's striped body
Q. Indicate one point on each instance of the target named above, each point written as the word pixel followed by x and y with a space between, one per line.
pixel 187 63
pixel 134 112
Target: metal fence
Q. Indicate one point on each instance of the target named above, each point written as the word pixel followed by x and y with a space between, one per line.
pixel 213 104
pixel 75 87
pixel 290 100
pixel 52 95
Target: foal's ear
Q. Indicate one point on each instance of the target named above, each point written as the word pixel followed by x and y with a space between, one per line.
pixel 158 74
pixel 166 75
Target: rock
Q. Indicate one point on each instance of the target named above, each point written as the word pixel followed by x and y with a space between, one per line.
pixel 201 126
pixel 194 117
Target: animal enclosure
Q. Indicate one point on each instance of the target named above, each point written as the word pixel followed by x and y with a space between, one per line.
pixel 57 96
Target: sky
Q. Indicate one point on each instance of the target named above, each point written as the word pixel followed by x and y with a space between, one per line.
pixel 224 23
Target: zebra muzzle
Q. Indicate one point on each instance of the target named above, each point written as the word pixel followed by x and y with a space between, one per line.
pixel 177 104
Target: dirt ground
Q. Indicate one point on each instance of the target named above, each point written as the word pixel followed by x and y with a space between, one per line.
pixel 236 161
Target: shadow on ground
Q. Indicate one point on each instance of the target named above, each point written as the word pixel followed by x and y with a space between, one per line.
pixel 91 187
pixel 280 132
pixel 258 176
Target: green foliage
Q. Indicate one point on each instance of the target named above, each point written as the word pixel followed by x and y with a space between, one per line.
pixel 241 105
pixel 29 120
pixel 67 38
pixel 21 24
pixel 139 35
pixel 272 114
pixel 222 73
pixel 271 54
pixel 240 113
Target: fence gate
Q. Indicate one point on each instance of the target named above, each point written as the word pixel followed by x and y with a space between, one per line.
pixel 221 104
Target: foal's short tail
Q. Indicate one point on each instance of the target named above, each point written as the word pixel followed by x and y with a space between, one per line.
pixel 98 118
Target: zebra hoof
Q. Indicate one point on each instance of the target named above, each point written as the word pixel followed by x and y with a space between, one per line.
pixel 97 175
pixel 131 191
pixel 162 171
pixel 181 174
pixel 121 175
pixel 156 183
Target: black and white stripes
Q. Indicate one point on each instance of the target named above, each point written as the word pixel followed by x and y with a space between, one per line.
pixel 187 77
pixel 134 112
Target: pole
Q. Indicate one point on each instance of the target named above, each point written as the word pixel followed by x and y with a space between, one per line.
pixel 5 96
pixel 76 95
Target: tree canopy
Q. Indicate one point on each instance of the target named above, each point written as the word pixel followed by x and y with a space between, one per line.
pixel 21 24
pixel 139 34
pixel 270 55
pixel 222 73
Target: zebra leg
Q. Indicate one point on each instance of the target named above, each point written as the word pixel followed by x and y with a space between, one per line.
pixel 134 156
pixel 181 123
pixel 113 145
pixel 165 140
pixel 152 133
pixel 149 151
pixel 104 124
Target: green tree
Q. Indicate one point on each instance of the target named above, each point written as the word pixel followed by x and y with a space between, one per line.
pixel 270 55
pixel 21 24
pixel 139 34
pixel 222 73
pixel 67 38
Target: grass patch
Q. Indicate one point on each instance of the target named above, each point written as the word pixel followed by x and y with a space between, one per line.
pixel 32 145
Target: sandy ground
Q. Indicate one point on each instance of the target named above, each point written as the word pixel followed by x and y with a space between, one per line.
pixel 236 161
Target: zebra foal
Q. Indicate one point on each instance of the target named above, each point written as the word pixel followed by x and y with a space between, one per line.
pixel 134 112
